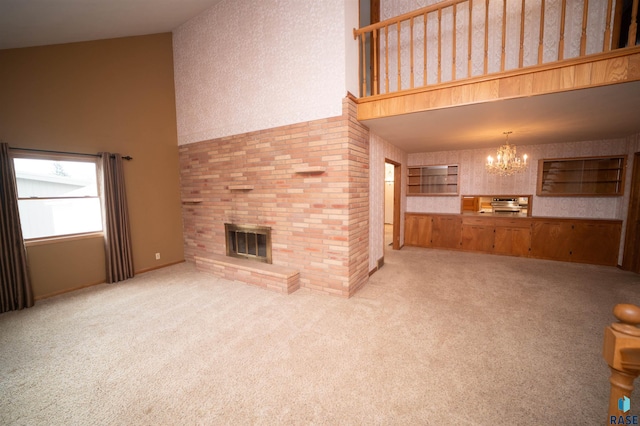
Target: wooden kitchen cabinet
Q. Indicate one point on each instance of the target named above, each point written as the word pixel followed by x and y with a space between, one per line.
pixel 596 242
pixel 417 230
pixel 446 231
pixel 477 234
pixel 577 240
pixel 512 237
pixel 551 240
pixel 571 240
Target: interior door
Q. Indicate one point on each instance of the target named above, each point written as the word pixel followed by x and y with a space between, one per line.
pixel 631 256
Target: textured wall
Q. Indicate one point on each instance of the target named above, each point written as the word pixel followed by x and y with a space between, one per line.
pixel 249 65
pixel 474 180
pixel 380 150
pixel 319 222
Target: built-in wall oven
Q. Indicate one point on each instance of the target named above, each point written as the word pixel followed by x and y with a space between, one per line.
pixel 505 205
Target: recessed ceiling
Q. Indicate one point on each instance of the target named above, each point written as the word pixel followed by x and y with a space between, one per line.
pixel 607 112
pixel 25 23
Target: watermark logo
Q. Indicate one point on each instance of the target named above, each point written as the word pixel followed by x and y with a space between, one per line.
pixel 624 405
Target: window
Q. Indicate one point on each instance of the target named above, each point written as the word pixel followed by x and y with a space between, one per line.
pixel 57 196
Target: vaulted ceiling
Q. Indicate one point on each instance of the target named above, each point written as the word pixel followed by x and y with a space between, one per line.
pixel 599 113
pixel 25 23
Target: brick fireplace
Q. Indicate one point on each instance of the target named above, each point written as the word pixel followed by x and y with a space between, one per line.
pixel 308 182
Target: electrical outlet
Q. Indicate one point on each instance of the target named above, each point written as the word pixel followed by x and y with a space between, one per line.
pixel 157 256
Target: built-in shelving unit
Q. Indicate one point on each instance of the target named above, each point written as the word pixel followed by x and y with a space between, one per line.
pixel 588 176
pixel 433 180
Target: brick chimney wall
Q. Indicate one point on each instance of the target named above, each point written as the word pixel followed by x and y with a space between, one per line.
pixel 308 181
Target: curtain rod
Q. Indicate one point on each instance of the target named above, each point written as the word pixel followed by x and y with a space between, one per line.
pixel 65 152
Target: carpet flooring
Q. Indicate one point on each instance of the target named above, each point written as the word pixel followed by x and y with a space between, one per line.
pixel 435 337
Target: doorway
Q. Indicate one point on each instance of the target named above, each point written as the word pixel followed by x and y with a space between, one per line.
pixel 631 254
pixel 392 182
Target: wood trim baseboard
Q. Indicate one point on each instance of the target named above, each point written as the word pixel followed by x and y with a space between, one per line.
pixel 69 290
pixel 378 266
pixel 142 271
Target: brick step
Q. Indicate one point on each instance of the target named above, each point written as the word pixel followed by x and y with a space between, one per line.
pixel 272 277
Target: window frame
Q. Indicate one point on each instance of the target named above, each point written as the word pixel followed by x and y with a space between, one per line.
pixel 77 158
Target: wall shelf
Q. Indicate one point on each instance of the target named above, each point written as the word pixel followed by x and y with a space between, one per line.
pixel 587 176
pixel 433 180
pixel 240 187
pixel 309 170
pixel 191 200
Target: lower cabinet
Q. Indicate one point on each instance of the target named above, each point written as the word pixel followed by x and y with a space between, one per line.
pixel 571 240
pixel 417 230
pixel 596 243
pixel 513 239
pixel 445 231
pixel 551 239
pixel 477 234
pixel 575 240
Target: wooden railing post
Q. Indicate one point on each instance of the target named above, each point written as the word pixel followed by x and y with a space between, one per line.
pixel 622 353
pixel 606 46
pixel 541 42
pixel 583 35
pixel 633 28
pixel 563 17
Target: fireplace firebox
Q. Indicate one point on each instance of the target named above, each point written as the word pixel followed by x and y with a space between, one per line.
pixel 248 242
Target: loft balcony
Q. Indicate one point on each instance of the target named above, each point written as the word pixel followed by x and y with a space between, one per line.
pixel 466 70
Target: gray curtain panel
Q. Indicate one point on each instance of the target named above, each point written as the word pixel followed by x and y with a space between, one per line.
pixel 115 218
pixel 15 287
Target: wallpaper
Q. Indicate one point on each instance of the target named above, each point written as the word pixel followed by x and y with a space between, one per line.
pixel 379 150
pixel 596 13
pixel 474 180
pixel 246 65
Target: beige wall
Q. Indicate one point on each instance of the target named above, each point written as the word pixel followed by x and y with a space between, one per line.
pixel 110 95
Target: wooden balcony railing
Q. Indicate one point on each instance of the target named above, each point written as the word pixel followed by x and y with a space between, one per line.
pixel 459 39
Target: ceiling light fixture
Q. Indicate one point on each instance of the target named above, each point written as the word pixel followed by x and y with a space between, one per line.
pixel 507 162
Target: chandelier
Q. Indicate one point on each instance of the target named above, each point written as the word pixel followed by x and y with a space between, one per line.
pixel 506 163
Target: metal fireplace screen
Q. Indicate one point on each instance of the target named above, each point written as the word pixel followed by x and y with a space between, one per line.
pixel 249 242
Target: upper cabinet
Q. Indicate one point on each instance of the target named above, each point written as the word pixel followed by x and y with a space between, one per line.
pixel 587 176
pixel 433 180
